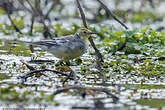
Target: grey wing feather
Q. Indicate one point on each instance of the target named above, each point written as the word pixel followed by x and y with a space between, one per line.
pixel 65 37
pixel 55 42
pixel 47 43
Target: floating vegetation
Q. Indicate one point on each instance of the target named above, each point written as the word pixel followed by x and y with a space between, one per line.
pixel 123 67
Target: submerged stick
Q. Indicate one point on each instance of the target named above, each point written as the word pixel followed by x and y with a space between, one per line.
pixel 50 9
pixel 32 24
pixel 115 18
pixel 12 22
pixel 38 12
pixel 105 90
pixel 90 38
pixel 98 54
pixel 34 71
pixel 111 14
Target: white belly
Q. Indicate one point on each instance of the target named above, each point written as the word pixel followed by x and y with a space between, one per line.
pixel 67 53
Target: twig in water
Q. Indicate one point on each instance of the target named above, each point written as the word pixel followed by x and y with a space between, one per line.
pixel 50 9
pixel 111 14
pixel 74 76
pixel 66 79
pixel 8 14
pixel 31 26
pixel 151 3
pixel 90 38
pixel 98 54
pixel 38 12
pixel 105 90
pixel 28 66
pixel 41 61
pixel 34 11
pixel 82 14
pixel 115 18
pixel 99 67
pixel 24 7
pixel 32 73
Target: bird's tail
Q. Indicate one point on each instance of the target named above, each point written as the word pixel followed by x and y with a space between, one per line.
pixel 22 42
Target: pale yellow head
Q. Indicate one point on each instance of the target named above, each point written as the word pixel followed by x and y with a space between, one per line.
pixel 84 33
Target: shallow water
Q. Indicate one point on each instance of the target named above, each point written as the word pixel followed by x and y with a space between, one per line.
pixel 130 85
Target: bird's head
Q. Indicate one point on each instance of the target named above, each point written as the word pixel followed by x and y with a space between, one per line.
pixel 84 33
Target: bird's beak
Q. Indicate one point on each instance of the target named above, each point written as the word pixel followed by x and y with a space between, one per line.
pixel 93 33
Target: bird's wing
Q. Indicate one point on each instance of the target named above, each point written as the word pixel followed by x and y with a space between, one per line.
pixel 55 42
pixel 47 43
pixel 69 37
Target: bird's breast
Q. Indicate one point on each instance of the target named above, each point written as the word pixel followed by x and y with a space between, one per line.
pixel 69 50
pixel 76 50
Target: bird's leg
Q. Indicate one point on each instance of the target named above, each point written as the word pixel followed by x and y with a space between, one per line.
pixel 62 63
pixel 67 63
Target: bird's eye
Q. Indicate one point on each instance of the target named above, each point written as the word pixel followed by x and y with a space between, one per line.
pixel 85 32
